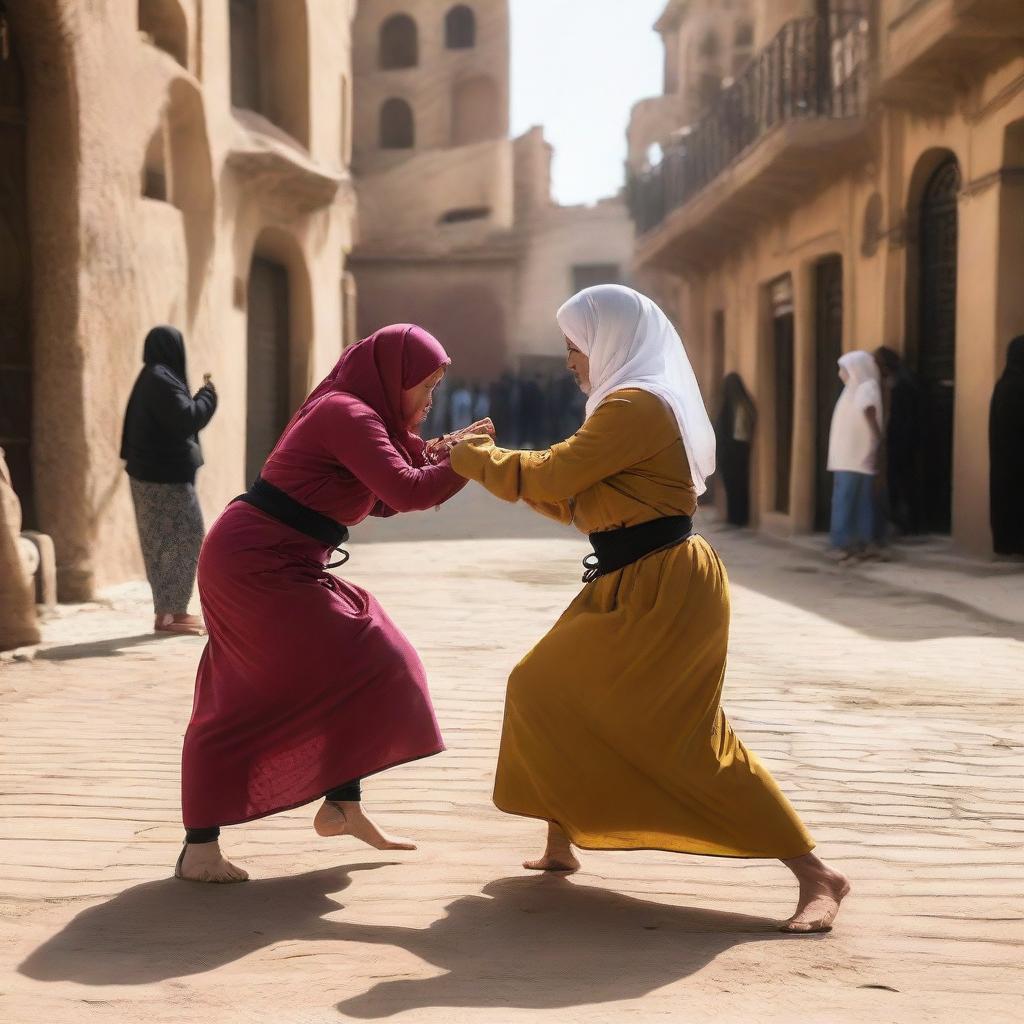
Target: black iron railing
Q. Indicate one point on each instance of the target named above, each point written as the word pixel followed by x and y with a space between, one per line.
pixel 814 68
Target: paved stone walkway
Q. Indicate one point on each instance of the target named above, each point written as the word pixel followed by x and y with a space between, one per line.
pixel 892 718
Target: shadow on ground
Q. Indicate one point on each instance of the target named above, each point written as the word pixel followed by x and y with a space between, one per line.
pixel 109 648
pixel 529 942
pixel 793 576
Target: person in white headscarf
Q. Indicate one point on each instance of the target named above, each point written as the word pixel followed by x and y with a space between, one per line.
pixel 613 730
pixel 853 453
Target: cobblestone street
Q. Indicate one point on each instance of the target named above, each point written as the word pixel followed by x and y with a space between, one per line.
pixel 890 716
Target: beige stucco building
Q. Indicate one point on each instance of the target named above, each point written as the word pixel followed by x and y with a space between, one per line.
pixel 457 227
pixel 860 182
pixel 163 161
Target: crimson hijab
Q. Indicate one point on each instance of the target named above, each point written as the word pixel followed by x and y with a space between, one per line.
pixel 376 370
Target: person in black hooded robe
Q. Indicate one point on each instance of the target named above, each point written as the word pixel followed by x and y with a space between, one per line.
pixel 734 433
pixel 902 397
pixel 160 446
pixel 1006 454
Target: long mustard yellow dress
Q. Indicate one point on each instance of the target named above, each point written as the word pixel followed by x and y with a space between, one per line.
pixel 613 726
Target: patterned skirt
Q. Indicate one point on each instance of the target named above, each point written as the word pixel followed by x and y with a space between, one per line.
pixel 171 533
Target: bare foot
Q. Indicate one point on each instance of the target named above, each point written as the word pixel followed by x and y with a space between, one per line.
pixel 558 855
pixel 203 862
pixel 183 625
pixel 822 891
pixel 347 818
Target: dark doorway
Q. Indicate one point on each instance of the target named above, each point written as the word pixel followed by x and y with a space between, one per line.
pixel 269 351
pixel 936 348
pixel 15 289
pixel 828 332
pixel 783 363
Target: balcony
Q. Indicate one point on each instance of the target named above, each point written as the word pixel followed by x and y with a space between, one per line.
pixel 795 111
pixel 923 39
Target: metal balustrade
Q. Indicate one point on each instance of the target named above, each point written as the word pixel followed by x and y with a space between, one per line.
pixel 814 68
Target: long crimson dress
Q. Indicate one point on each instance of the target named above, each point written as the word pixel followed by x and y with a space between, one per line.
pixel 306 683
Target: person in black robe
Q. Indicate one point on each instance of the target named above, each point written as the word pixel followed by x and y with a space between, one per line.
pixel 1006 454
pixel 734 432
pixel 902 397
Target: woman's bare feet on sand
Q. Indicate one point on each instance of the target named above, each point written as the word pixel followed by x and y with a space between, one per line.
pixel 346 818
pixel 558 855
pixel 203 862
pixel 183 625
pixel 822 891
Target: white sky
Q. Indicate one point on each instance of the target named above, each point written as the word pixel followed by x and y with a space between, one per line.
pixel 578 66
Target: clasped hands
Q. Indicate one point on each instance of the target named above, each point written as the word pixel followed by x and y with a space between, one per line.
pixel 438 449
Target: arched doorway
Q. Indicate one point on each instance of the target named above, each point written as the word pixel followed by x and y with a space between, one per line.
pixel 15 289
pixel 938 236
pixel 268 366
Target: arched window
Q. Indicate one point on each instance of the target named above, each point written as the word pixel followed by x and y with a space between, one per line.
pixel 164 22
pixel 744 37
pixel 710 45
pixel 460 28
pixel 397 130
pixel 399 43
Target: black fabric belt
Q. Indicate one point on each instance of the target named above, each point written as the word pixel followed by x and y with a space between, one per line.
pixel 615 549
pixel 285 509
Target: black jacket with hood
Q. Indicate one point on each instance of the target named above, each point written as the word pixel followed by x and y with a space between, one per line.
pixel 160 443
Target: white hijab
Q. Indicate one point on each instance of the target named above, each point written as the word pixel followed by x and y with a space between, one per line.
pixel 632 344
pixel 861 367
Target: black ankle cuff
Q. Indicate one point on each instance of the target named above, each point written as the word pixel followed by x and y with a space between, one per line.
pixel 201 836
pixel 350 791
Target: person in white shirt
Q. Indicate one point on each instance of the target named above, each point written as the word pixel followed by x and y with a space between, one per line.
pixel 853 451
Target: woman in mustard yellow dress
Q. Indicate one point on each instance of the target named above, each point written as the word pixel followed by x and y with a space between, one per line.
pixel 613 730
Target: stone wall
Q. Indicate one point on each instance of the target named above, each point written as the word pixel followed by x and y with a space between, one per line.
pixel 106 103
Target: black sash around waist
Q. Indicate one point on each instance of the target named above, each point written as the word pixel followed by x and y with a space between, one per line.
pixel 285 509
pixel 615 549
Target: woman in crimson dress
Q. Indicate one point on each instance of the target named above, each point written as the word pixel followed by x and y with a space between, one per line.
pixel 306 686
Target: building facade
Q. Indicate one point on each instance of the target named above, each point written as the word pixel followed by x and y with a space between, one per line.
pixel 164 161
pixel 859 183
pixel 457 227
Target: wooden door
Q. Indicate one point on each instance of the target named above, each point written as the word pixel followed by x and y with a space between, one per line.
pixel 936 348
pixel 15 289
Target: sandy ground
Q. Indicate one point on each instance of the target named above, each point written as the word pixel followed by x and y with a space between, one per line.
pixel 891 716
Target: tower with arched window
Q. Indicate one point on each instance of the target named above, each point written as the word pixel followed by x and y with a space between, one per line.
pixel 430 75
pixel 457 227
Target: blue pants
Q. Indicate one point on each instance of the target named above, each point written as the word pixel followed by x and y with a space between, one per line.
pixel 853 510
